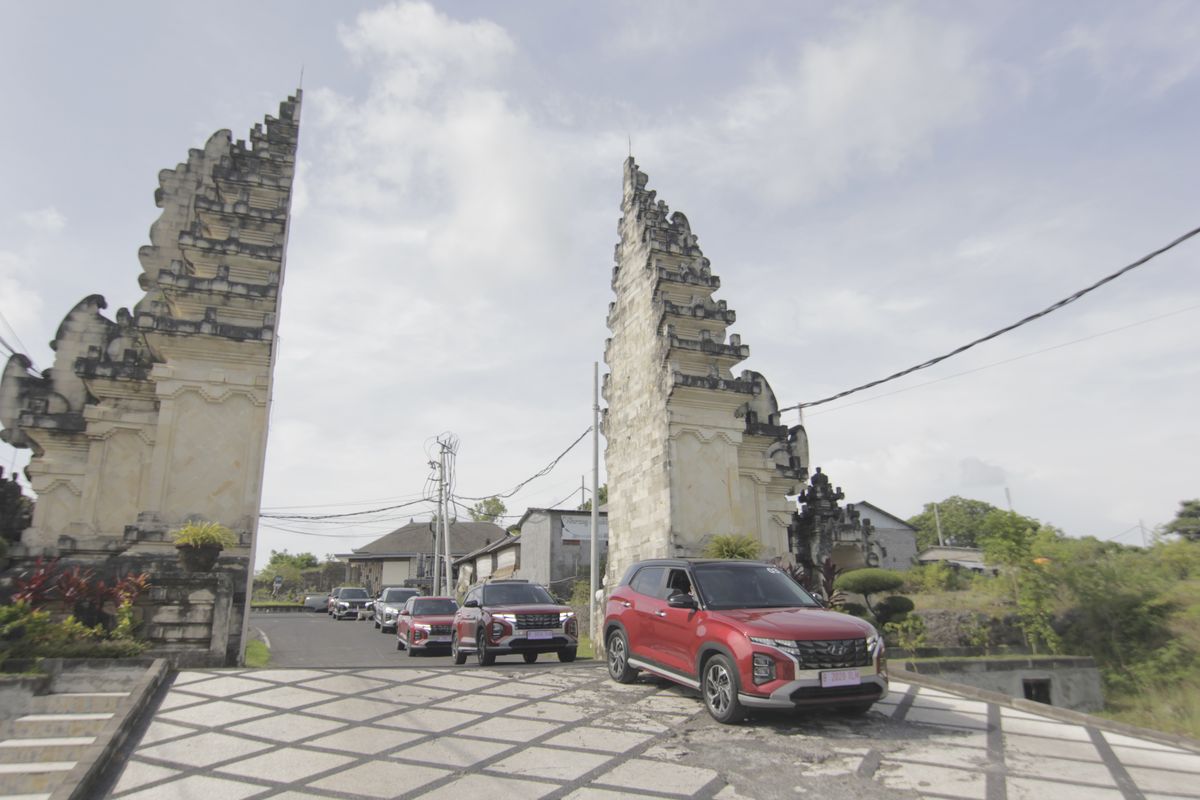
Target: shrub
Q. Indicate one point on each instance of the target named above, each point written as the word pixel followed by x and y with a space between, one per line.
pixel 854 609
pixel 204 534
pixel 733 546
pixel 908 634
pixel 868 582
pixel 893 609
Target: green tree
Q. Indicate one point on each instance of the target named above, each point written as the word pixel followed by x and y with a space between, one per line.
pixel 962 522
pixel 1187 521
pixel 586 505
pixel 734 545
pixel 489 510
pixel 1007 537
pixel 16 510
pixel 869 581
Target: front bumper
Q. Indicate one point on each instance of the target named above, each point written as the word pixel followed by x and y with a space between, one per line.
pixel 806 690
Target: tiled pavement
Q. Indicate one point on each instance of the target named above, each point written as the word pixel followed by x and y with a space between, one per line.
pixel 566 731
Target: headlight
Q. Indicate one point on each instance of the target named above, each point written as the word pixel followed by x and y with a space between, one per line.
pixel 511 619
pixel 563 616
pixel 780 644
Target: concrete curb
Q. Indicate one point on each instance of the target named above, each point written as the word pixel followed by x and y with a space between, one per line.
pixel 1053 712
pixel 81 783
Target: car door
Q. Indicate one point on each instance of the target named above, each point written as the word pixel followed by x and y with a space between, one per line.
pixel 674 629
pixel 404 620
pixel 467 619
pixel 644 604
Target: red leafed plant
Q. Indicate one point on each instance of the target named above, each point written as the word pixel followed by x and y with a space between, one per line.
pixel 41 585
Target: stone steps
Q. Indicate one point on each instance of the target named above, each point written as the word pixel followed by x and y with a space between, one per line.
pixel 25 751
pixel 39 749
pixel 77 703
pixel 45 776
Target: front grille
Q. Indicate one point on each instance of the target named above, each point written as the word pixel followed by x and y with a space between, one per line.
pixel 834 654
pixel 439 630
pixel 818 694
pixel 527 621
pixel 541 644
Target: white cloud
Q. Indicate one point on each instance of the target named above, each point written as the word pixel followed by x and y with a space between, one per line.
pixel 44 220
pixel 1153 48
pixel 867 100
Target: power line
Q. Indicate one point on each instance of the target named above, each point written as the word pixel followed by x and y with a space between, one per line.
pixel 16 337
pixel 339 516
pixel 544 471
pixel 1037 315
pixel 319 535
pixel 1008 360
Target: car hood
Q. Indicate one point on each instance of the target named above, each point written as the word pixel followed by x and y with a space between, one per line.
pixel 795 623
pixel 537 608
pixel 433 619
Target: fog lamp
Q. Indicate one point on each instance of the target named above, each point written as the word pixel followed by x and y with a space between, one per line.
pixel 764 668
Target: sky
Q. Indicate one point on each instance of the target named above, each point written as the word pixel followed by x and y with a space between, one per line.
pixel 874 183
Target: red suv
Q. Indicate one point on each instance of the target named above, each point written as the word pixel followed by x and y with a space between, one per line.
pixel 742 633
pixel 510 616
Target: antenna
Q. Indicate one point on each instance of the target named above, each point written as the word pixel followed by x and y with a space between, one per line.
pixel 301 86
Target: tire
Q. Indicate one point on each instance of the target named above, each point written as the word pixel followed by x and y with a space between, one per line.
pixel 482 655
pixel 408 647
pixel 719 687
pixel 618 658
pixel 378 627
pixel 567 655
pixel 529 657
pixel 460 657
pixel 399 644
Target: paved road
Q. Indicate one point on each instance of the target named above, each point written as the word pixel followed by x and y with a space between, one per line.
pixel 318 640
pixel 565 731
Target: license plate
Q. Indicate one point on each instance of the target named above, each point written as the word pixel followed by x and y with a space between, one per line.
pixel 439 638
pixel 840 677
pixel 541 634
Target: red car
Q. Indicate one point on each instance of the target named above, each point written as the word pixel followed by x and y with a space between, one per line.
pixel 423 624
pixel 742 633
pixel 511 616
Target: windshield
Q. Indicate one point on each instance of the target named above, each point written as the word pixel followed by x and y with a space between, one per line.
pixel 353 594
pixel 434 605
pixel 511 594
pixel 398 595
pixel 727 586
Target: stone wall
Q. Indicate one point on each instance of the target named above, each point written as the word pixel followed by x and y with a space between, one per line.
pixel 1074 681
pixel 692 451
pixel 159 416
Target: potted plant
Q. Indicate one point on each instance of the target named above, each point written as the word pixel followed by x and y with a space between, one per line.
pixel 200 543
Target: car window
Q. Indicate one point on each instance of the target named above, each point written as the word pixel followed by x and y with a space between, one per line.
pixel 473 595
pixel 508 594
pixel 647 581
pixel 408 604
pixel 353 594
pixel 725 586
pixel 678 582
pixel 398 595
pixel 433 605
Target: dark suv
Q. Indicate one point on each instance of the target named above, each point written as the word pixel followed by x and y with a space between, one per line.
pixel 744 634
pixel 511 616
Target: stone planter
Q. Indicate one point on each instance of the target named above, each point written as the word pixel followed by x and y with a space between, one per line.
pixel 198 559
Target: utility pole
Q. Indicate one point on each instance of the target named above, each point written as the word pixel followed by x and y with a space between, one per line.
pixel 437 532
pixel 582 491
pixel 594 554
pixel 447 481
pixel 1142 526
pixel 937 520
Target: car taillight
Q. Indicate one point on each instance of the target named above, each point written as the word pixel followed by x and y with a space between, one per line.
pixel 764 668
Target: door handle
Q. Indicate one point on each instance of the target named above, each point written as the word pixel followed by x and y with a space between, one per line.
pixel 626 603
pixel 660 613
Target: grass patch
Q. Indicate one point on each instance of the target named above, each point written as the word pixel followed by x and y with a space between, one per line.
pixel 585 648
pixel 1172 707
pixel 257 654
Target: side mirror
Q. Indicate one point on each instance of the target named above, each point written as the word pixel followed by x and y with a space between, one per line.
pixel 471 604
pixel 681 600
pixel 404 612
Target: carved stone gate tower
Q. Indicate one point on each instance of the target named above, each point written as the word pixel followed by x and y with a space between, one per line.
pixel 160 416
pixel 692 451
